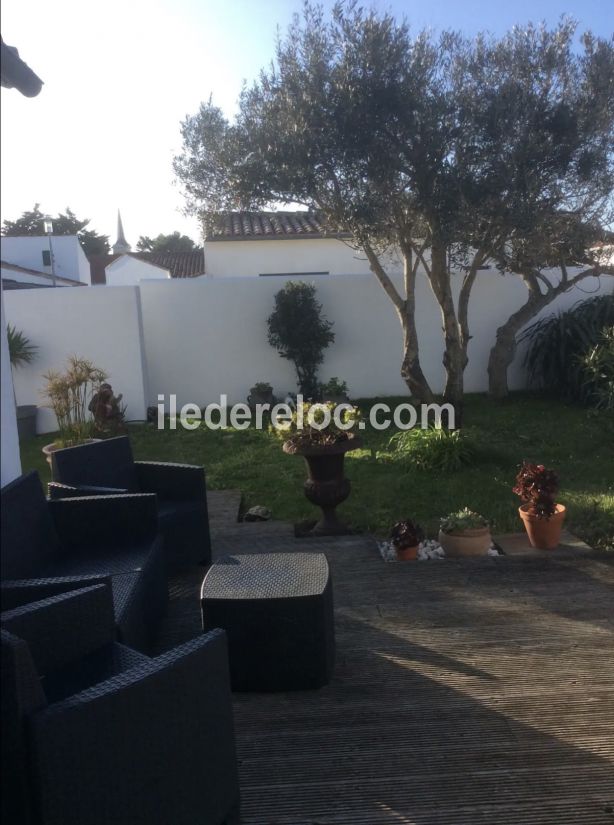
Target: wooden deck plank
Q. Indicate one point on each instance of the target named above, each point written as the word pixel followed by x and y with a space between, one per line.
pixel 465 693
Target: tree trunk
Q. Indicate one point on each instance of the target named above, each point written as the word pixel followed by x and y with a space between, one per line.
pixel 411 371
pixel 503 352
pixel 454 357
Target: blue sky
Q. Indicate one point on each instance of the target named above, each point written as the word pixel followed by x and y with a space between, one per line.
pixel 120 77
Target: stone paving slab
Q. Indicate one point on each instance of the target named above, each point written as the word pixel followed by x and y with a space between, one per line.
pixel 517 544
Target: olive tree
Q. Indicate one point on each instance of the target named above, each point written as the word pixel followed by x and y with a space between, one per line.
pixel 455 153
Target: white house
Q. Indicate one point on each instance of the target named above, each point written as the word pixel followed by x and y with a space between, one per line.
pixel 128 270
pixel 262 244
pixel 56 260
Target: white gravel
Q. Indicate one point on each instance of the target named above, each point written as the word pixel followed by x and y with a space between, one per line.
pixel 428 550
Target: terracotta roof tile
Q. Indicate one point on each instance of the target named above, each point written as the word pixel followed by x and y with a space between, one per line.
pixel 180 265
pixel 235 226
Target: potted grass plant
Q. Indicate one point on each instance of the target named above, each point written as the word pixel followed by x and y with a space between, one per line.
pixel 69 395
pixel 465 533
pixel 21 353
pixel 405 537
pixel 543 518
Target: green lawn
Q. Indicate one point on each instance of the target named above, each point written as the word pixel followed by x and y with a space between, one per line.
pixel 577 443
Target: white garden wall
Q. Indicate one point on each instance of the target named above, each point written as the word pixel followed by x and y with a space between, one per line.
pixel 204 337
pixel 103 325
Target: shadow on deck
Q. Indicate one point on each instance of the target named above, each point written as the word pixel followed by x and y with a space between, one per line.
pixel 465 692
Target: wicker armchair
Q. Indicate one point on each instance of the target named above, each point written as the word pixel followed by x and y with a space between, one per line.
pixel 108 467
pixel 96 733
pixel 50 547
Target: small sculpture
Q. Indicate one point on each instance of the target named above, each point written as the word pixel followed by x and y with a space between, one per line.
pixel 108 411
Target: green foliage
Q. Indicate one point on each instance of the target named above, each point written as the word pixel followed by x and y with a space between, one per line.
pixel 560 345
pixel 299 333
pixel 461 151
pixel 598 369
pixel 21 351
pixel 174 244
pixel 32 223
pixel 462 520
pixel 334 387
pixel 437 449
pixel 262 387
pixel 69 395
pixel 315 425
pixel 252 461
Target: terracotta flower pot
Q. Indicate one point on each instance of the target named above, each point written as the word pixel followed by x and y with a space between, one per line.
pixel 407 553
pixel 543 533
pixel 468 543
pixel 49 449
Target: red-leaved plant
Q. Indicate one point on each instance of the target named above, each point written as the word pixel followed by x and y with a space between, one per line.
pixel 406 534
pixel 537 487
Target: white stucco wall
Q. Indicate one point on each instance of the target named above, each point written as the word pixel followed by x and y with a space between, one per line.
pixel 9 444
pixel 129 271
pixel 208 336
pixel 230 259
pixel 69 258
pixel 100 324
pixel 203 337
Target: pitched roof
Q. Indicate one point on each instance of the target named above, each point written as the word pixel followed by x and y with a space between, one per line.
pixel 180 265
pixel 39 274
pixel 253 226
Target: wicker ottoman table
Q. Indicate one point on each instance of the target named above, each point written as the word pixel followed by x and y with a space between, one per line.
pixel 277 611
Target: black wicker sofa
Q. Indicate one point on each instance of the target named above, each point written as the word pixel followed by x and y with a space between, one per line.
pixel 51 547
pixel 108 466
pixel 96 733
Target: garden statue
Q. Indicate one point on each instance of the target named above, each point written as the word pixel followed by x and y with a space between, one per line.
pixel 107 410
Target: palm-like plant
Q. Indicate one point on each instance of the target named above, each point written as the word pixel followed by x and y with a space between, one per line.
pixel 558 344
pixel 21 351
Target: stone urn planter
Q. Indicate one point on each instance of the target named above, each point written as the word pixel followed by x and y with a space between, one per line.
pixel 326 485
pixel 26 420
pixel 544 533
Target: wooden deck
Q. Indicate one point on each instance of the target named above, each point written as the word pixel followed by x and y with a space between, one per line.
pixel 465 692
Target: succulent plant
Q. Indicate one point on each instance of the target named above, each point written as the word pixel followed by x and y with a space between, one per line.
pixel 462 520
pixel 537 487
pixel 406 533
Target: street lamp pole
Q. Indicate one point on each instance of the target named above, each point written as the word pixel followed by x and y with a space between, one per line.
pixel 49 232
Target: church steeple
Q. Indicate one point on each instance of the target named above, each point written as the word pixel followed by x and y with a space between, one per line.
pixel 121 245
